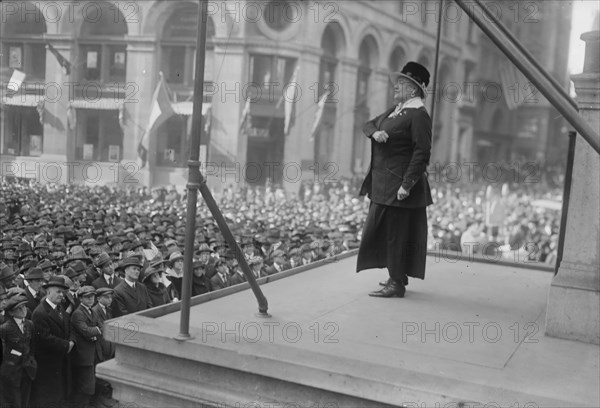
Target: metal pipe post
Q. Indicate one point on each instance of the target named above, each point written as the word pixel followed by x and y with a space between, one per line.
pixel 195 179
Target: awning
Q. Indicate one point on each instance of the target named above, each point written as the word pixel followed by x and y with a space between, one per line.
pixel 186 108
pixel 23 100
pixel 99 104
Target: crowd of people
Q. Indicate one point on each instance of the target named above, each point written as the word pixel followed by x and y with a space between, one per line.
pixel 73 256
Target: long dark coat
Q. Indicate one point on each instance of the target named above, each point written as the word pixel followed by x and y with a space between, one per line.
pixel 128 300
pixel 395 231
pixel 85 332
pixel 52 332
pixel 18 366
pixel 107 347
pixel 401 161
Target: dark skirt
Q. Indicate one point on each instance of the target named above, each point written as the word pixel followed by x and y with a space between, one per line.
pixel 395 238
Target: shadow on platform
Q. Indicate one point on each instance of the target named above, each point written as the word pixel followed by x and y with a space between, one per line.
pixel 471 334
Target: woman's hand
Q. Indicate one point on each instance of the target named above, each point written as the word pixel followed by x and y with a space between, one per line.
pixel 402 193
pixel 380 136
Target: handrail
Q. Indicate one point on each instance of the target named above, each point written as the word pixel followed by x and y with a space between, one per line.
pixel 527 54
pixel 533 73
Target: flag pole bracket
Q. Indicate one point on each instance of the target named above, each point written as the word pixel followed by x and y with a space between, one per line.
pixel 198 178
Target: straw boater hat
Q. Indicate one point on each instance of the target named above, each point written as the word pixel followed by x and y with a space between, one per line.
pixel 416 72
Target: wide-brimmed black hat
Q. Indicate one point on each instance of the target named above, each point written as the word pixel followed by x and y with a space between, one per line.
pixel 57 281
pixel 416 72
pixel 34 273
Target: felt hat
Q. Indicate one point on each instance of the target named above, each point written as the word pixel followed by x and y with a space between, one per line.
pixel 416 73
pixel 56 281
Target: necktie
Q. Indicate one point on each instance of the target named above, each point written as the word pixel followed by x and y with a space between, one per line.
pixel 59 311
pixel 22 326
pixel 110 281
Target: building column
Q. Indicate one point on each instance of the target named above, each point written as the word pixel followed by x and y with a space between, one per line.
pixel 574 297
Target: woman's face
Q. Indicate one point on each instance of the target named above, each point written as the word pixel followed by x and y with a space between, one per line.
pixel 404 89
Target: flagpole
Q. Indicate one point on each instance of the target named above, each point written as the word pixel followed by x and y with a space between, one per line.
pixel 195 179
pixel 435 68
pixel 197 182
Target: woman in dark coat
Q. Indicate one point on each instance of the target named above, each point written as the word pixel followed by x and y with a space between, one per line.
pixel 395 231
pixel 158 292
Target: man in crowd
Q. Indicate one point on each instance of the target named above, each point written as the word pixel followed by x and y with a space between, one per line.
pixel 130 295
pixel 107 278
pixel 52 347
pixel 34 278
pixel 85 332
pixel 18 367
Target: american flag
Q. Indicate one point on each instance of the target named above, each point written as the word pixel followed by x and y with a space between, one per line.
pixel 515 86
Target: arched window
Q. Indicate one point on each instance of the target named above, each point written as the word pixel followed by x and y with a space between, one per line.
pixel 368 55
pixel 102 45
pixel 332 43
pixel 102 68
pixel 23 46
pixel 23 49
pixel 178 65
pixel 178 48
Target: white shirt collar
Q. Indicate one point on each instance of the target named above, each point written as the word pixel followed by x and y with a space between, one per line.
pixel 415 102
pixel 32 291
pixel 131 284
pixel 52 305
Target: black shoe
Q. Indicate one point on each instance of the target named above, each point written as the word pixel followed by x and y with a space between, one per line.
pixel 390 290
pixel 384 283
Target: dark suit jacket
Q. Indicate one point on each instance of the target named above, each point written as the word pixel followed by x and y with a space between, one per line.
pixel 85 332
pixel 18 357
pixel 217 283
pixel 100 282
pixel 70 303
pixel 52 333
pixel 128 300
pixel 237 278
pixel 271 269
pixel 401 161
pixel 107 347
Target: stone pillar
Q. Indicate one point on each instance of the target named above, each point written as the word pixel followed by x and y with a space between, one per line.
pixel 574 299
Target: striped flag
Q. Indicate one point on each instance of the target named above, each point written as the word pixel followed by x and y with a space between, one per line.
pixel 290 102
pixel 161 111
pixel 318 115
pixel 515 85
pixel 245 122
